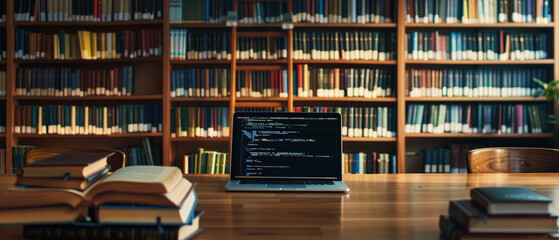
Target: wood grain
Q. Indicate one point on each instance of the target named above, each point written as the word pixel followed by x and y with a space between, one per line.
pixel 379 206
pixel 513 160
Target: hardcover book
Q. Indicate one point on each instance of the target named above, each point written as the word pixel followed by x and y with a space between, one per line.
pixel 510 200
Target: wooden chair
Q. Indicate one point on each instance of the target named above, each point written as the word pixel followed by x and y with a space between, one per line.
pixel 115 161
pixel 513 160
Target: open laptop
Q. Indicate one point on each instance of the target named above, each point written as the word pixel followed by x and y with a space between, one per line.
pixel 273 151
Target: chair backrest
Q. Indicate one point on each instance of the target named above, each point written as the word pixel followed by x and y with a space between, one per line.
pixel 115 161
pixel 513 160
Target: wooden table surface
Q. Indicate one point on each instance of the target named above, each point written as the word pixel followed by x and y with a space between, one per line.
pixel 383 206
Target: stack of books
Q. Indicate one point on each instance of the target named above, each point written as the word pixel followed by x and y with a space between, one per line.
pixel 71 196
pixel 500 213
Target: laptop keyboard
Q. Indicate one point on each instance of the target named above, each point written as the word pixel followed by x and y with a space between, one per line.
pixel 286 182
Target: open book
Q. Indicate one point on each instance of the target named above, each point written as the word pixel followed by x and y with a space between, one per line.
pixel 154 186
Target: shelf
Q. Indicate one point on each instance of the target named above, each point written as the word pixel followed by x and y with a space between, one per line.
pixel 3 25
pixel 189 62
pixel 261 99
pixel 479 135
pixel 362 139
pixel 197 25
pixel 479 25
pixel 352 62
pixel 199 139
pixel 200 99
pixel 3 62
pixel 121 135
pixel 475 99
pixel 345 25
pixel 92 98
pixel 258 25
pixel 90 24
pixel 494 62
pixel 263 61
pixel 2 135
pixel 97 61
pixel 343 99
pixel 2 98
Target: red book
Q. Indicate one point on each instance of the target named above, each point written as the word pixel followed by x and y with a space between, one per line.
pixel 410 10
pixel 299 79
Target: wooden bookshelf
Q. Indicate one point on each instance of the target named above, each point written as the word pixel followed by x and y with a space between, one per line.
pixel 154 82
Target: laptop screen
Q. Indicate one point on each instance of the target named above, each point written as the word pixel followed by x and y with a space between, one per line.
pixel 286 145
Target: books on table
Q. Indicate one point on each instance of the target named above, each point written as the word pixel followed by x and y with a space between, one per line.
pixel 500 213
pixel 137 195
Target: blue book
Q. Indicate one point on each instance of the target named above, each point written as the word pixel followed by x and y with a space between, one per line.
pixel 427 160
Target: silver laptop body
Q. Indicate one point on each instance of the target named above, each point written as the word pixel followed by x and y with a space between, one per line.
pixel 286 152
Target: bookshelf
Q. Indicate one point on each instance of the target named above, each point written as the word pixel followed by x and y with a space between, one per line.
pixel 154 73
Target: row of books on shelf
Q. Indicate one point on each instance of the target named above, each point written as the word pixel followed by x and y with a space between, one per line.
pixel 261 83
pixel 261 48
pixel 491 45
pixel 477 118
pixel 478 11
pixel 508 82
pixel 3 79
pixel 83 119
pixel 97 11
pixel 148 154
pixel 343 11
pixel 60 82
pixel 18 152
pixel 261 12
pixel 199 45
pixel 3 46
pixel 307 82
pixel 206 162
pixel 208 11
pixel 362 121
pixel 346 45
pixel 2 11
pixel 199 122
pixel 2 118
pixel 214 82
pixel 369 163
pixel 342 82
pixel 87 44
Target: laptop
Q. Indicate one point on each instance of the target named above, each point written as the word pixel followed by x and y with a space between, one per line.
pixel 273 151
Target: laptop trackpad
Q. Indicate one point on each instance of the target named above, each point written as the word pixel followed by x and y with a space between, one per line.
pixel 284 186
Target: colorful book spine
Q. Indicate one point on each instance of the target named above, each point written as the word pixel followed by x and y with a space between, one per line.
pixel 87 120
pixel 90 11
pixel 438 160
pixel 87 45
pixel 493 45
pixel 18 152
pixel 477 118
pixel 199 122
pixel 505 82
pixel 200 82
pixel 206 162
pixel 146 155
pixel 261 83
pixel 478 11
pixel 309 81
pixel 370 122
pixel 189 45
pixel 65 82
pixel 261 48
pixel 343 11
pixel 370 163
pixel 358 45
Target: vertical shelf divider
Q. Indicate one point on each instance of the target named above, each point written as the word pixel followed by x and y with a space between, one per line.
pixel 168 156
pixel 400 88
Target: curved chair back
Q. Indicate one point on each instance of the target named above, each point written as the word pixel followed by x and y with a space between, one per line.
pixel 513 160
pixel 115 161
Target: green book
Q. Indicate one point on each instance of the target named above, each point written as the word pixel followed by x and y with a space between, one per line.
pixel 510 200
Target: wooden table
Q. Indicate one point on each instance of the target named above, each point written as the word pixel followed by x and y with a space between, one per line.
pixel 399 206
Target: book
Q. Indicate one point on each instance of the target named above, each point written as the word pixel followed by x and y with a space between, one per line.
pixel 452 231
pixel 71 164
pixel 134 185
pixel 510 200
pixel 92 232
pixel 199 122
pixel 77 183
pixel 475 220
